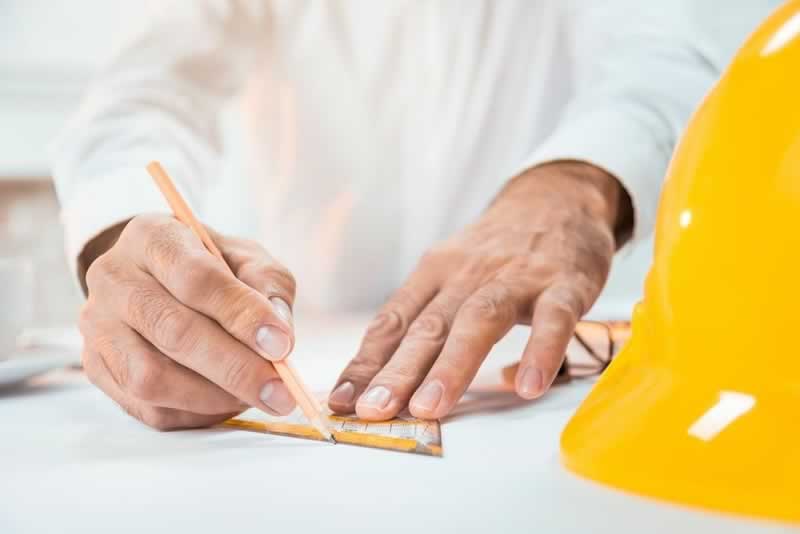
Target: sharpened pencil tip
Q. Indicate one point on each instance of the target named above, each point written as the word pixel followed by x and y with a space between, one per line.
pixel 323 429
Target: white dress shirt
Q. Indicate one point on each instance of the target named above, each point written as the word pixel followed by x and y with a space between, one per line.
pixel 377 128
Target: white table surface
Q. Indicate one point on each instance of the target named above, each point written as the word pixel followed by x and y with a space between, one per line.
pixel 71 461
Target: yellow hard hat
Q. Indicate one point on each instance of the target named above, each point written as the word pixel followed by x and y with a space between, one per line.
pixel 702 406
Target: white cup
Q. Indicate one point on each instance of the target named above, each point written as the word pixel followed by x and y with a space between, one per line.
pixel 16 300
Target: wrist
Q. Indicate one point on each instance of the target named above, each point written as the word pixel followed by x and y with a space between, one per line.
pixel 591 188
pixel 95 248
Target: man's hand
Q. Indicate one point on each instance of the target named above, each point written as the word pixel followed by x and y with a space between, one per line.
pixel 539 255
pixel 177 340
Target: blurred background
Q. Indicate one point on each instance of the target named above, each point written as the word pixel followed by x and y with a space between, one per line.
pixel 49 52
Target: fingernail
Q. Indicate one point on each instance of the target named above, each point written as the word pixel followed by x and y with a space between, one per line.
pixel 530 383
pixel 343 394
pixel 282 309
pixel 275 395
pixel 376 398
pixel 273 341
pixel 428 398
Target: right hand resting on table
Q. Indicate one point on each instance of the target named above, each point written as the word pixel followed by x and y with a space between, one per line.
pixel 173 337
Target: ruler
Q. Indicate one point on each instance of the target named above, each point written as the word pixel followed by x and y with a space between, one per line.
pixel 402 434
pixel 591 349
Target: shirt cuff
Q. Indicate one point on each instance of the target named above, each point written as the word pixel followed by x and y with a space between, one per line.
pixel 622 147
pixel 100 203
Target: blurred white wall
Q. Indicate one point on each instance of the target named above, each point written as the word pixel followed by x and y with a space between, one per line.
pixel 58 35
pixel 49 50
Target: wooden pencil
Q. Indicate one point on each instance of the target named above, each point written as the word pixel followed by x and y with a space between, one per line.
pixel 183 213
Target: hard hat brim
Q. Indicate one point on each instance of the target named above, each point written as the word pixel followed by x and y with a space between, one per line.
pixel 647 430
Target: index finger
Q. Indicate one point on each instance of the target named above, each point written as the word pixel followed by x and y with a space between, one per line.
pixel 383 337
pixel 171 253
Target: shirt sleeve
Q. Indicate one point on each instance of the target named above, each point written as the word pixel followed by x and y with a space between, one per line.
pixel 639 69
pixel 160 99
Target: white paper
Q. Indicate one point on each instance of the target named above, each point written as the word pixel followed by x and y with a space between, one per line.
pixel 71 461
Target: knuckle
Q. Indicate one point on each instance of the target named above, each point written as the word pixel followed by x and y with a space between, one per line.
pixel 362 368
pixel 387 324
pixel 108 359
pixel 271 278
pixel 586 288
pixel 143 228
pixel 240 252
pixel 144 224
pixel 101 268
pixel 432 257
pixel 453 375
pixel 166 325
pixel 158 418
pixel 533 267
pixel 142 381
pixel 404 299
pixel 282 279
pixel 392 322
pixel 86 318
pixel 236 374
pixel 565 303
pixel 528 276
pixel 193 277
pixel 173 329
pixel 492 308
pixel 598 257
pixel 163 243
pixel 475 267
pixel 402 373
pixel 438 257
pixel 240 311
pixel 430 326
